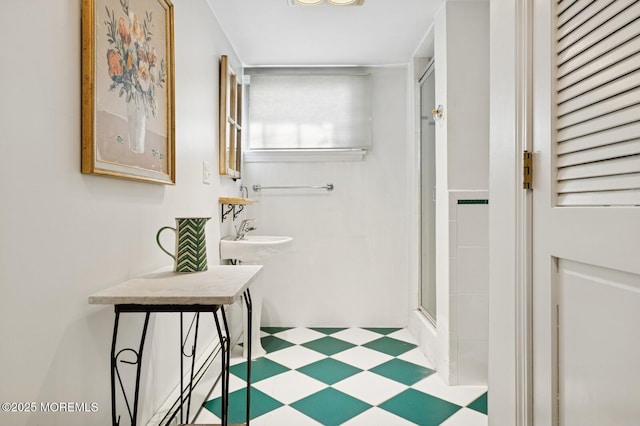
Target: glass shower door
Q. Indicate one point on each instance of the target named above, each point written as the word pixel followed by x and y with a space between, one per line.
pixel 427 198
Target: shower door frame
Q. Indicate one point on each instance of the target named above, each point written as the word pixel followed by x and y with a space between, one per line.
pixel 431 317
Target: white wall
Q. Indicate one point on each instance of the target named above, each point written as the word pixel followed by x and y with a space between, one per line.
pixel 64 235
pixel 348 264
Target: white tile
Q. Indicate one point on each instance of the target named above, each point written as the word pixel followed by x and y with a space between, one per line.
pixel 473 316
pixel 357 336
pixel 473 270
pixel 235 383
pixel 370 388
pixel 453 359
pixel 295 357
pixel 206 417
pixel 363 358
pixel 416 356
pixel 453 313
pixel 453 275
pixel 404 335
pixel 460 395
pixel 473 225
pixel 289 387
pixel 284 416
pixel 473 363
pixel 453 238
pixel 466 417
pixel 377 417
pixel 299 335
pixel 453 205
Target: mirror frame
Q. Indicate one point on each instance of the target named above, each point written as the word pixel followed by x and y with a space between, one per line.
pixel 230 121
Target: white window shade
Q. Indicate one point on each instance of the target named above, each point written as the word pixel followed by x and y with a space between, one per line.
pixel 309 111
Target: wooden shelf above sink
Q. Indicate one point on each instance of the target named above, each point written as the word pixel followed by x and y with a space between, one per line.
pixel 235 200
pixel 235 206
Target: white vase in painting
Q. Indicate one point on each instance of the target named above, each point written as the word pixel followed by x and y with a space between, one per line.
pixel 137 122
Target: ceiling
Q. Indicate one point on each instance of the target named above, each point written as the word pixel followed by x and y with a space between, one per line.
pixel 271 32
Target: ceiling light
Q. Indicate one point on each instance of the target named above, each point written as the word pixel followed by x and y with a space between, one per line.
pixel 309 2
pixel 341 2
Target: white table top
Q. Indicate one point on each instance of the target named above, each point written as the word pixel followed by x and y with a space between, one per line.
pixel 220 285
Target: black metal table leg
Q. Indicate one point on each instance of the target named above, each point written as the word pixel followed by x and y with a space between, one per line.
pixel 225 370
pixel 248 302
pixel 115 372
pixel 183 355
pixel 224 343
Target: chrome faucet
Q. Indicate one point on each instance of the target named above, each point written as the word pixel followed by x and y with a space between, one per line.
pixel 245 226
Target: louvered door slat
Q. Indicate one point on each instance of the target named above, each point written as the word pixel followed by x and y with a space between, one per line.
pixel 600 108
pixel 617 166
pixel 595 16
pixel 598 184
pixel 618 118
pixel 605 37
pixel 569 75
pixel 607 152
pixel 620 70
pixel 599 199
pixel 617 87
pixel 572 11
pixel 564 4
pixel 619 38
pixel 604 138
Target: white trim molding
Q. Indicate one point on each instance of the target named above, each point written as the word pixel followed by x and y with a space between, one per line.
pixel 510 322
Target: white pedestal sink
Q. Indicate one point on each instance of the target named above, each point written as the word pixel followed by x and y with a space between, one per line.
pixel 253 249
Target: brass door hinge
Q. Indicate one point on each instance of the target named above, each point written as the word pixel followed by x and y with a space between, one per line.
pixel 527 170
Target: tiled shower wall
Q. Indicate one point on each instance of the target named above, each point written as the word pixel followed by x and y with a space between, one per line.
pixel 468 287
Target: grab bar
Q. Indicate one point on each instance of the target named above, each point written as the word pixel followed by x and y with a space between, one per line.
pixel 328 187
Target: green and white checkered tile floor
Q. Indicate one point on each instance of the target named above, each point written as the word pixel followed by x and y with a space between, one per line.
pixel 345 376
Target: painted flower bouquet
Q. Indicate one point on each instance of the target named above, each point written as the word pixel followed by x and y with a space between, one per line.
pixel 132 62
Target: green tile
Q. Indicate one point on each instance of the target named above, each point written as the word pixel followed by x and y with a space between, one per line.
pixel 401 371
pixel 420 408
pixel 480 404
pixel 473 201
pixel 329 370
pixel 261 368
pixel 261 403
pixel 273 343
pixel 328 345
pixel 327 330
pixel 274 330
pixel 390 346
pixel 330 407
pixel 382 330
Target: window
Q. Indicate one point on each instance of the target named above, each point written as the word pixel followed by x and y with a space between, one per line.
pixel 315 110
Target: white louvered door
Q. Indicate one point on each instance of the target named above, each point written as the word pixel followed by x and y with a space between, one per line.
pixel 586 212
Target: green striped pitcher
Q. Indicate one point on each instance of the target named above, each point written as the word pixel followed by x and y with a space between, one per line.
pixel 191 245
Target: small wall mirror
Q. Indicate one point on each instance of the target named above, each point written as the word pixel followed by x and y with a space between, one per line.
pixel 230 136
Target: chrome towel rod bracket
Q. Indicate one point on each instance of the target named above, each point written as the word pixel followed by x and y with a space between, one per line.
pixel 328 187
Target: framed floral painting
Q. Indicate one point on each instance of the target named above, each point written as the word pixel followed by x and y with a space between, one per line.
pixel 128 89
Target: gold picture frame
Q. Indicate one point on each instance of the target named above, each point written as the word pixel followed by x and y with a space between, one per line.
pixel 128 117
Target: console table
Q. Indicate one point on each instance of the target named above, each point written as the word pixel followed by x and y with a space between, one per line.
pixel 196 292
